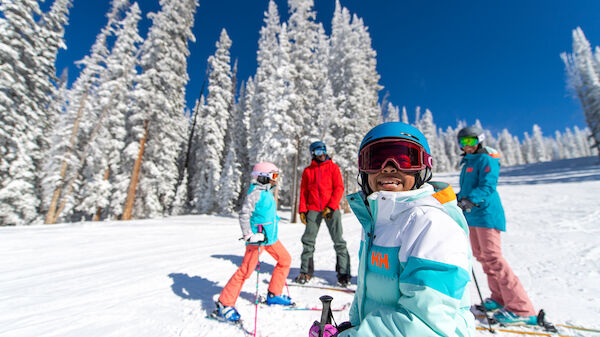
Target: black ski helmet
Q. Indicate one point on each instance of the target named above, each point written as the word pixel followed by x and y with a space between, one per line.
pixel 472 131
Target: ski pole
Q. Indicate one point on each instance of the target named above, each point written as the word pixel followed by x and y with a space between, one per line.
pixel 325 314
pixel 256 296
pixel 257 280
pixel 482 305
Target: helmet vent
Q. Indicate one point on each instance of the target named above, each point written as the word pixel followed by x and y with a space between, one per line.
pixel 409 135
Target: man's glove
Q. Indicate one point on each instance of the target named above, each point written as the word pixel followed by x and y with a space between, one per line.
pixel 327 213
pixel 254 238
pixel 303 218
pixel 466 204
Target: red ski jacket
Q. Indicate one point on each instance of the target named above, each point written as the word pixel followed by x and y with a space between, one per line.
pixel 321 187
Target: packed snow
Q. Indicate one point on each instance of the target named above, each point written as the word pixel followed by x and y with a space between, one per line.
pixel 160 277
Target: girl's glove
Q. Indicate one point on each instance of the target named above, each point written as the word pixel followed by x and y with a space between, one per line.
pixel 254 238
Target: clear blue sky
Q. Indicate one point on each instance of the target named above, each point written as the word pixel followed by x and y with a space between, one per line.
pixel 493 60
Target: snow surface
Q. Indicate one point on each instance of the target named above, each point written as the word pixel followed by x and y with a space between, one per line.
pixel 160 277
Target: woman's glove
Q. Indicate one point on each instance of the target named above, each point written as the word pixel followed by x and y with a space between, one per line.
pixel 254 238
pixel 466 204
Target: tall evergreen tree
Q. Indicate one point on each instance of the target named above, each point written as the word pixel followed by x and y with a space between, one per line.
pixel 583 70
pixel 72 133
pixel 304 34
pixel 159 107
pixel 21 121
pixel 538 146
pixel 104 182
pixel 214 114
pixel 272 130
pixel 355 86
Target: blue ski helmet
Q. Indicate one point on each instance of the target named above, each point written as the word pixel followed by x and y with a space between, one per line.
pixel 317 145
pixel 396 130
pixel 402 131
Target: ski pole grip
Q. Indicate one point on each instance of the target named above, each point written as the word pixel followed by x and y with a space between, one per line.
pixel 326 313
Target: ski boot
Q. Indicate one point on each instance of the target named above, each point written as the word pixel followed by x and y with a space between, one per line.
pixel 507 317
pixel 343 280
pixel 302 278
pixel 226 314
pixel 489 305
pixel 283 300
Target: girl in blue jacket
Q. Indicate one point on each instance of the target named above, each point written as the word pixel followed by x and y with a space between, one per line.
pixel 482 207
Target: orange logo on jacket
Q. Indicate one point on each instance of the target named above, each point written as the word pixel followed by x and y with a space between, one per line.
pixel 378 260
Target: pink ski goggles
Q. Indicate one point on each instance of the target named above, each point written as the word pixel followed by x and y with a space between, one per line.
pixel 405 155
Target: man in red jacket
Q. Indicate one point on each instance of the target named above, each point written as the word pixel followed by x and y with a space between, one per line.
pixel 320 192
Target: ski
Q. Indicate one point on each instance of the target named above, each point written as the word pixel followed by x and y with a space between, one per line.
pixel 577 328
pixel 523 332
pixel 342 308
pixel 239 324
pixel 340 289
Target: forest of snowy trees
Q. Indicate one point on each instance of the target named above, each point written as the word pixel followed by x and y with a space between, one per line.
pixel 119 142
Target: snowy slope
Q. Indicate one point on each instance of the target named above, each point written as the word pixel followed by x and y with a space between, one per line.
pixel 160 277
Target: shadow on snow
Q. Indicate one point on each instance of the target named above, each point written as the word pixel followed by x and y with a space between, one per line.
pixel 558 171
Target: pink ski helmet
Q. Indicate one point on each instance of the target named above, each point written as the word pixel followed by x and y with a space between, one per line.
pixel 265 169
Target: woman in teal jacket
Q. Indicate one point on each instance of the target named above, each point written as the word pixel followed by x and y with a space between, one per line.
pixel 482 207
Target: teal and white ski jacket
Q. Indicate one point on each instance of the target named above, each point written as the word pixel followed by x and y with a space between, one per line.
pixel 478 181
pixel 259 209
pixel 414 267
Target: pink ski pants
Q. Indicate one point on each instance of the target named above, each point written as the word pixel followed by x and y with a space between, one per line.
pixel 504 284
pixel 232 290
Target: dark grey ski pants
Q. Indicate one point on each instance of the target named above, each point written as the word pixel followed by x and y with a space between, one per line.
pixel 313 222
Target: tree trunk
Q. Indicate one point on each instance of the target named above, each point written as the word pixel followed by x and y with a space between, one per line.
pixel 51 215
pixel 128 209
pixel 83 155
pixel 295 183
pixel 99 210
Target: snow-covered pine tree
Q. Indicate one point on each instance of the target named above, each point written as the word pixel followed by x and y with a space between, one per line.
pixel 73 130
pixel 538 145
pixel 214 114
pixel 393 113
pixel 584 79
pixel 272 130
pixel 427 126
pixel 246 98
pixel 235 139
pixel 326 112
pixel 50 39
pixel 582 141
pixel 506 148
pixel 452 148
pixel 180 202
pixel 304 32
pixel 21 122
pixel 160 104
pixel 404 117
pixel 355 88
pixel 104 182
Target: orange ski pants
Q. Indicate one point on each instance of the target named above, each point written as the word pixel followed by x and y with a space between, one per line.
pixel 232 289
